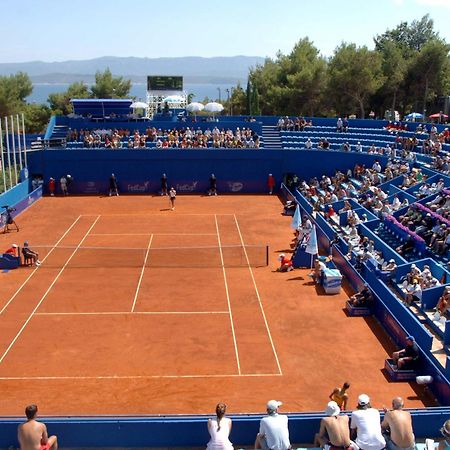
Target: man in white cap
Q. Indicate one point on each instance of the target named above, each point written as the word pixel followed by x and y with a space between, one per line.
pixel 334 432
pixel 365 425
pixel 273 429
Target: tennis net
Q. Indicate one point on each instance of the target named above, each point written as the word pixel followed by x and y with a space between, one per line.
pixel 170 257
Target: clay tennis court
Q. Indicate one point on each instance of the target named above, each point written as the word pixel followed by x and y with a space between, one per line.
pixel 176 315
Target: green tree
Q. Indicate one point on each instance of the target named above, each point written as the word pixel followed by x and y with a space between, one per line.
pixel 107 86
pixel 36 117
pixel 409 38
pixel 238 101
pixel 354 75
pixel 13 91
pixel 292 83
pixel 428 74
pixel 60 102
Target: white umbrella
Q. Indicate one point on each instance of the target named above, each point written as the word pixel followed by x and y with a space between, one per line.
pixel 139 105
pixel 173 99
pixel 195 107
pixel 213 107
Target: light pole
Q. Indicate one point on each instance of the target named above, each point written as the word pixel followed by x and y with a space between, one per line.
pixel 220 94
pixel 228 100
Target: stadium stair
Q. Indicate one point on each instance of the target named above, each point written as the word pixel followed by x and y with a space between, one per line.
pixel 58 137
pixel 271 136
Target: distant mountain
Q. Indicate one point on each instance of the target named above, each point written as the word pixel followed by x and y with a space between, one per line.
pixel 195 69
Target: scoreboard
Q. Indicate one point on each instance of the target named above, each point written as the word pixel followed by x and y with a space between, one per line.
pixel 163 83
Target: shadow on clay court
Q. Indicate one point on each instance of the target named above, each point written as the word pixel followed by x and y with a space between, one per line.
pixel 288 250
pixel 165 209
pixel 295 279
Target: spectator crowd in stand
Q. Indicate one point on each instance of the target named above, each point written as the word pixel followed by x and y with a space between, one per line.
pixel 173 138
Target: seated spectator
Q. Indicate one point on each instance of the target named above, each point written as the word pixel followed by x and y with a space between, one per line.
pixel 397 427
pixel 407 247
pixel 317 274
pixel 273 429
pixel 33 434
pixel 30 257
pixel 334 432
pixel 362 298
pixel 413 292
pixel 408 357
pixel 365 425
pixel 340 396
pixel 388 269
pixel 445 431
pixel 219 429
pixel 285 264
pixel 443 304
pixel 13 250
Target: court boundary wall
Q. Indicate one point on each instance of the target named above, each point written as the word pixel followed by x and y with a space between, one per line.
pixel 186 431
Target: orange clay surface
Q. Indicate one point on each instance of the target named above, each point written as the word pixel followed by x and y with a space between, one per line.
pixel 159 340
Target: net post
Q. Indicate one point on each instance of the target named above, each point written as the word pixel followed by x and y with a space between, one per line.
pixel 267 255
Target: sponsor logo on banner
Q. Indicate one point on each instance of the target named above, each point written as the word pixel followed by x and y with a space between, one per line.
pixel 235 186
pixel 186 187
pixel 138 187
pixel 91 188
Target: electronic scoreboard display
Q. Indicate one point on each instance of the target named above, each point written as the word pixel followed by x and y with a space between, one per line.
pixel 163 83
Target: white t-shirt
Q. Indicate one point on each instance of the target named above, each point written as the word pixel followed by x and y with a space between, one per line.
pixel 275 430
pixel 367 423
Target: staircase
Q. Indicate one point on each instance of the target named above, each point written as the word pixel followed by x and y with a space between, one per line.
pixel 58 137
pixel 271 137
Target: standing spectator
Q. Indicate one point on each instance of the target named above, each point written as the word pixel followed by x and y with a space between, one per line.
pixel 212 185
pixel 172 197
pixel 63 183
pixel 219 429
pixel 365 425
pixel 445 431
pixel 397 427
pixel 164 184
pixel 334 432
pixel 51 186
pixel 113 185
pixel 32 435
pixel 270 183
pixel 273 429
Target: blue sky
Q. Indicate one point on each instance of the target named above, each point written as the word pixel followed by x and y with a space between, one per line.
pixel 59 30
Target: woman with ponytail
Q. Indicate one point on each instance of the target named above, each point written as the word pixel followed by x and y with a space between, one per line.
pixel 219 429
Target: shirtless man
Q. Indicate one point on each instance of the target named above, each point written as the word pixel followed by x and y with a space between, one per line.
pixel 398 422
pixel 334 430
pixel 33 435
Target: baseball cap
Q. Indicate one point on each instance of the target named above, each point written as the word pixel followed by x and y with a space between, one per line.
pixel 273 405
pixel 332 409
pixel 25 244
pixel 392 260
pixel 410 338
pixel 363 399
pixel 15 245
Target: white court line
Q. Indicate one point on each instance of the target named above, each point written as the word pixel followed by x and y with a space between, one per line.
pixel 137 377
pixel 154 234
pixel 46 293
pixel 142 273
pixel 258 296
pixel 228 297
pixel 156 214
pixel 32 273
pixel 119 313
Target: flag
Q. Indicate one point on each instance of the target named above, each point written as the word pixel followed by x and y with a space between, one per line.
pixel 311 246
pixel 297 219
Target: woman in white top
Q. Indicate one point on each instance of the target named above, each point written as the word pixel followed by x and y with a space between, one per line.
pixel 219 430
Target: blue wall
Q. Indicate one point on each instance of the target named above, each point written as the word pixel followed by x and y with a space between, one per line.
pixel 185 431
pixel 189 170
